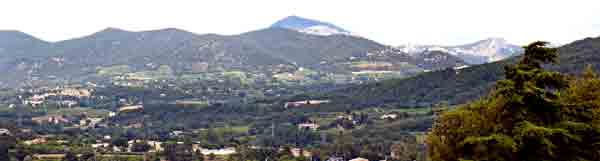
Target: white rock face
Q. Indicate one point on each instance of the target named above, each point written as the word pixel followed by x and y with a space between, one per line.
pixel 484 51
pixel 310 26
pixel 323 31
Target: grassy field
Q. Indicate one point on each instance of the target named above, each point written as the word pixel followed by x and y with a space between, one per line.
pixel 113 70
pixel 90 112
pixel 232 129
pixel 367 64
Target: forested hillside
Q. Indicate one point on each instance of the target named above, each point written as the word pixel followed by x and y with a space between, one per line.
pixel 533 114
pixel 459 86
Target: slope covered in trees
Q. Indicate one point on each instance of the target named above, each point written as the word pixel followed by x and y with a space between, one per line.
pixel 460 86
pixel 532 114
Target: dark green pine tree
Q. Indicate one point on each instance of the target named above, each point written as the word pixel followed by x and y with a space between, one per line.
pixel 533 114
pixel 4 153
pixel 70 156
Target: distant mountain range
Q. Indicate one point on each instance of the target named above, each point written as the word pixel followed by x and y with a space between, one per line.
pixel 480 52
pixel 458 86
pixel 291 42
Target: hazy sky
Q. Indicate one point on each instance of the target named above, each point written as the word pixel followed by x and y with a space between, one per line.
pixel 393 22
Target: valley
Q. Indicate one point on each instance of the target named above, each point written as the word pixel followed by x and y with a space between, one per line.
pixel 300 89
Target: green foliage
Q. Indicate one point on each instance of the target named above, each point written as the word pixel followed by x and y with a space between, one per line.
pixel 4 153
pixel 140 147
pixel 533 114
pixel 70 156
pixel 460 86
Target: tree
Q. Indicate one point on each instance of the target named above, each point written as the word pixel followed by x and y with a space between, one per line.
pixel 199 155
pixel 6 141
pixel 179 152
pixel 4 153
pixel 21 153
pixel 405 149
pixel 120 142
pixel 70 156
pixel 88 156
pixel 212 157
pixel 532 114
pixel 140 147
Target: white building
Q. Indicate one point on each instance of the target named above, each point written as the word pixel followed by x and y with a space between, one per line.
pixel 5 132
pixel 224 151
pixel 389 116
pixel 311 126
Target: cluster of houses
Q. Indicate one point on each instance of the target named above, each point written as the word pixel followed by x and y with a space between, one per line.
pixel 105 144
pixel 51 119
pixel 41 97
pixel 309 125
pixel 305 103
pixel 77 121
pixel 158 146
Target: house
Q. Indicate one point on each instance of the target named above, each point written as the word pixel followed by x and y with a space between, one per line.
pixel 156 146
pixel 36 141
pixel 5 132
pixel 311 126
pixel 305 102
pixel 131 108
pixel 51 119
pixel 359 159
pixel 68 103
pixel 176 133
pixel 117 149
pixel 130 144
pixel 76 92
pixel 63 142
pixel 389 116
pixel 223 151
pixel 25 130
pixel 298 152
pixel 112 114
pixel 100 145
pixel 89 122
pixel 35 100
pixel 134 126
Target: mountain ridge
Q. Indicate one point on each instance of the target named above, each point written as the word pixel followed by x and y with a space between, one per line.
pixel 452 86
pixel 259 50
pixel 186 52
pixel 479 52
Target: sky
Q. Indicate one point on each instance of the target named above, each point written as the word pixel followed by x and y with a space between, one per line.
pixel 392 22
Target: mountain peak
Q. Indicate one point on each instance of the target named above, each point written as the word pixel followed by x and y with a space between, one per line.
pixel 13 33
pixel 16 35
pixel 112 30
pixel 309 26
pixel 10 31
pixel 494 40
pixel 483 51
pixel 169 30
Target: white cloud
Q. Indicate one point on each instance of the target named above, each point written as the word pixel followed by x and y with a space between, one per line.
pixel 388 21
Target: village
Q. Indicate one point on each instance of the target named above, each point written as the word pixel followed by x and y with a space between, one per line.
pixel 122 117
pixel 142 147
